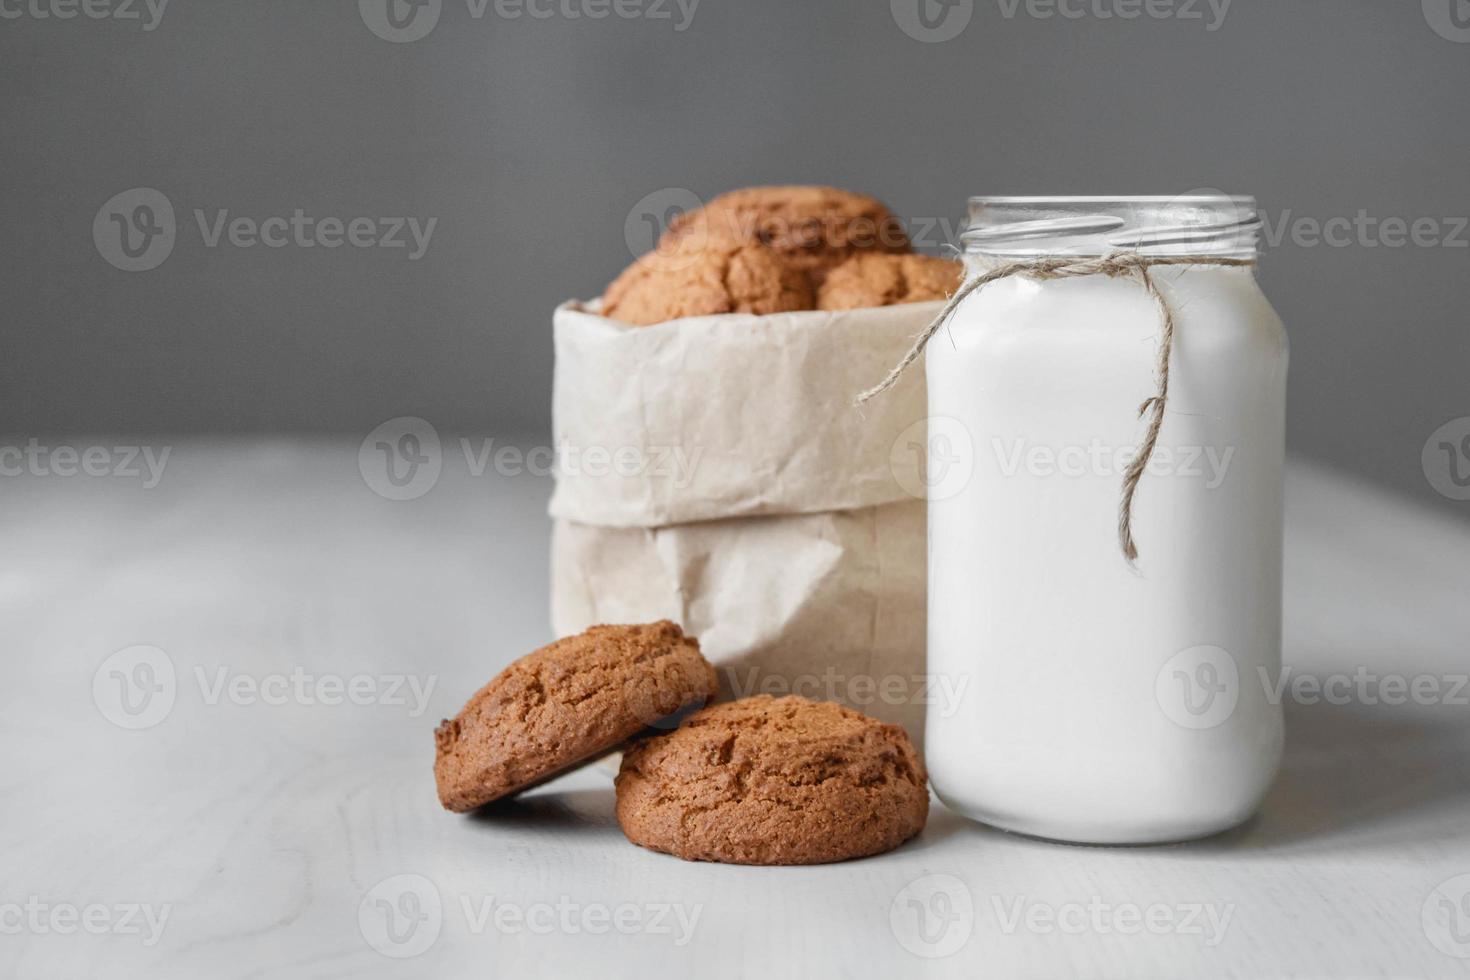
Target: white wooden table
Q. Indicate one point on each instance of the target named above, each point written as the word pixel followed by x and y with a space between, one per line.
pixel 270 832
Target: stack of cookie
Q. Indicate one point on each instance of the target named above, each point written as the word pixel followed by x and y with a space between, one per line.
pixel 767 250
pixel 763 780
pixel 738 491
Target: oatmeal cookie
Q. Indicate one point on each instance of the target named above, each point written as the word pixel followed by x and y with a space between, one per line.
pixel 565 704
pixel 773 781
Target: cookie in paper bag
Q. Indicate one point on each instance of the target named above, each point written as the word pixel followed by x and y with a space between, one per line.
pixel 811 228
pixel 885 280
pixel 695 276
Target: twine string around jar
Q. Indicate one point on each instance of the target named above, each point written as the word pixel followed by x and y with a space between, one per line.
pixel 1115 265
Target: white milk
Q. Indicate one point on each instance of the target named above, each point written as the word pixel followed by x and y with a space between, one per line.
pixel 1105 703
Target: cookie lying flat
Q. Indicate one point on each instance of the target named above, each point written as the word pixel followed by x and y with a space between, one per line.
pixel 872 279
pixel 773 781
pixel 565 704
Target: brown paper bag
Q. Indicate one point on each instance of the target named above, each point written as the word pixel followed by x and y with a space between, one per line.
pixel 714 471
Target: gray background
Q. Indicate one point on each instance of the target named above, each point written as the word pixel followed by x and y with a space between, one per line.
pixel 532 139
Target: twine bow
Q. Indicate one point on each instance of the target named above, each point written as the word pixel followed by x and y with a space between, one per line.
pixel 1114 265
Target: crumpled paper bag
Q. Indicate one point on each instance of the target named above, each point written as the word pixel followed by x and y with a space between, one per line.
pixel 784 536
pixel 829 605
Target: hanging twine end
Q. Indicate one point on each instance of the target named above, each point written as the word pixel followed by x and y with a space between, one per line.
pixel 866 396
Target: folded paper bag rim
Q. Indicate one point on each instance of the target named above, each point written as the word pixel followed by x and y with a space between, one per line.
pixel 733 415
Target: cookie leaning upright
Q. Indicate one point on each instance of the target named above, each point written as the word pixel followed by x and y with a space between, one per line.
pixel 773 781
pixel 564 704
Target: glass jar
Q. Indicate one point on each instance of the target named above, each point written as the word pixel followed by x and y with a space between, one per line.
pixel 1102 700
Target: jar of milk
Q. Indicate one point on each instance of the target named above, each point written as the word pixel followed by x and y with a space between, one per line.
pixel 1105 699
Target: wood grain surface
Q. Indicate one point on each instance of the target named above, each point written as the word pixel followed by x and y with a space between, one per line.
pixel 271 811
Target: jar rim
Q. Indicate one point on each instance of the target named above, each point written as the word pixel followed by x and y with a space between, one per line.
pixel 1205 223
pixel 1244 200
